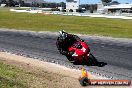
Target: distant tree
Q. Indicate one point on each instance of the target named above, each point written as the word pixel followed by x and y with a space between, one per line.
pixel 114 3
pixel 62 4
pixel 53 5
pixel 70 10
pixel 87 7
pixel 106 1
pixel 91 8
pixel 63 10
pixel 10 3
pixel 79 10
pixel 44 5
pixel 55 9
pixel 3 1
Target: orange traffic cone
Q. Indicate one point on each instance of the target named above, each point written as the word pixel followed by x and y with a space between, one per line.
pixel 84 80
pixel 84 73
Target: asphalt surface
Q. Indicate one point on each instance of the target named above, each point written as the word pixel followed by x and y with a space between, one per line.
pixel 117 55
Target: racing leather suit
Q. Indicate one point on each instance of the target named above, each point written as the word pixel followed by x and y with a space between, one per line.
pixel 64 44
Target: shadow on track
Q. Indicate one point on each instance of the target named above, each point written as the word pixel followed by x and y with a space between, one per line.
pixel 92 61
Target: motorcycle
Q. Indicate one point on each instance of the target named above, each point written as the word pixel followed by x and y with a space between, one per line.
pixel 80 53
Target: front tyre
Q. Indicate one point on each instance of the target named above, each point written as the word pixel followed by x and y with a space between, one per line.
pixel 92 60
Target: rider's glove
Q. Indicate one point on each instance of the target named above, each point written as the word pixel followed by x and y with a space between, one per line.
pixel 63 52
pixel 71 53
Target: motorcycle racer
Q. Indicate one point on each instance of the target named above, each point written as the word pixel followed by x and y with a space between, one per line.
pixel 76 50
pixel 64 41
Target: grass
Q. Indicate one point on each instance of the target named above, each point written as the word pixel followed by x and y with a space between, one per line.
pixel 12 76
pixel 83 25
pixel 9 77
pixel 22 8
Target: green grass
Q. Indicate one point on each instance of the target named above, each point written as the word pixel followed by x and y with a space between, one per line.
pixel 22 8
pixel 15 77
pixel 26 76
pixel 9 77
pixel 83 25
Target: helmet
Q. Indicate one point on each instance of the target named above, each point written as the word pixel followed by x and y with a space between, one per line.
pixel 63 34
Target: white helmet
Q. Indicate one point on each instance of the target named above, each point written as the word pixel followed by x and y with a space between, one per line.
pixel 63 34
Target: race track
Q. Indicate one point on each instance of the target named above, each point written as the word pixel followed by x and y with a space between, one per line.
pixel 117 55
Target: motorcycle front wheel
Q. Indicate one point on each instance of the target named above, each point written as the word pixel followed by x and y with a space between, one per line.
pixel 92 60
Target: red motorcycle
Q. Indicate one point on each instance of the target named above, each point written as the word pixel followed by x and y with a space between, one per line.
pixel 80 53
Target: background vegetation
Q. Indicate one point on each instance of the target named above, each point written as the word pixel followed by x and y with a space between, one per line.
pixel 83 25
